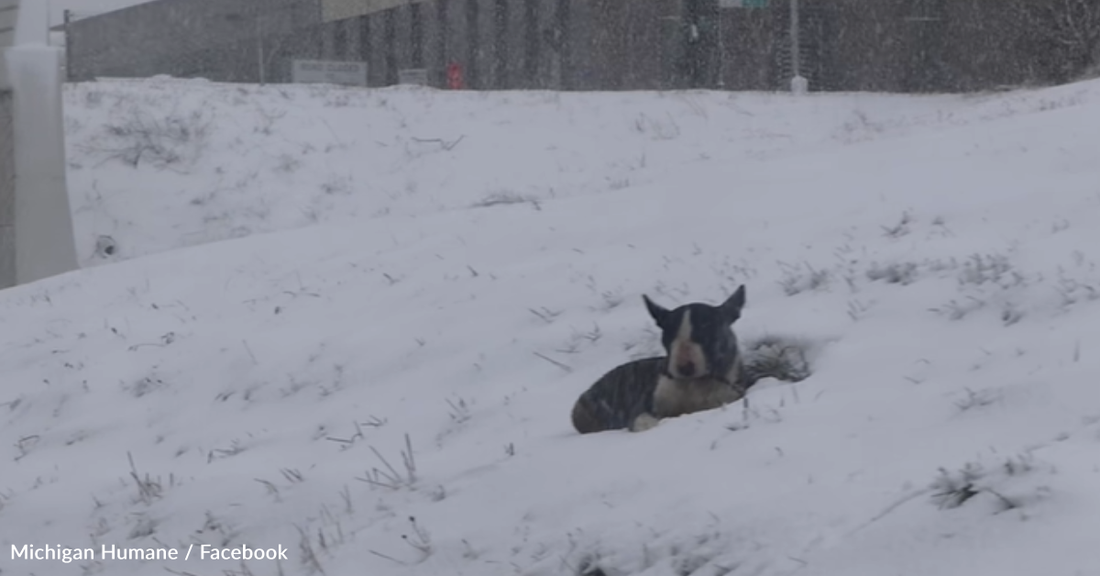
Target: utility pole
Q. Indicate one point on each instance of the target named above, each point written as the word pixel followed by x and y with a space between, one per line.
pixel 799 84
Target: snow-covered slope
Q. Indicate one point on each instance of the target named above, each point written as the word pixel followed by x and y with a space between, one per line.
pixel 938 253
pixel 161 164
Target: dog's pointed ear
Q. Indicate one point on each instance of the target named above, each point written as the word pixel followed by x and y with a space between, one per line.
pixel 658 312
pixel 731 308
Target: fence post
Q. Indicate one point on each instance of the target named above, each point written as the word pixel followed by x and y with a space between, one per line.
pixel 41 242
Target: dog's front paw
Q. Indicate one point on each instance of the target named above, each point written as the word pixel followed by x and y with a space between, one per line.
pixel 644 422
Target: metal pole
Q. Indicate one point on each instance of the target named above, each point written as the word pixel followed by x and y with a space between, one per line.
pixel 795 63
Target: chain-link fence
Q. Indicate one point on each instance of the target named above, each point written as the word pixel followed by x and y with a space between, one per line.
pixel 877 45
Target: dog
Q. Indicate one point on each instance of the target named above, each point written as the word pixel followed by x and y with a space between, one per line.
pixel 702 369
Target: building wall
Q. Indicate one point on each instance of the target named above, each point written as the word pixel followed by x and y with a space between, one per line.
pixel 507 51
pixel 390 54
pixel 432 46
pixel 750 44
pixel 480 18
pixel 376 49
pixel 984 51
pixel 945 46
pixel 453 14
pixel 575 46
pixel 642 66
pixel 550 39
pixel 168 36
pixel 531 47
pixel 623 44
pixel 872 45
pixel 403 40
pixel 439 37
pixel 869 40
pixel 7 190
pixel 8 11
pixel 343 9
pixel 381 33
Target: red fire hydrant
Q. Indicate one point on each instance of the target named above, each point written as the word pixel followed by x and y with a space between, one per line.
pixel 454 76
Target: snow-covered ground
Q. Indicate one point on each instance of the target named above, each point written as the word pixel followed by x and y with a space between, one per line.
pixel 446 272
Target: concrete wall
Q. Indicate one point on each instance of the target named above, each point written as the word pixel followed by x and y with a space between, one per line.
pixel 38 213
pixel 44 244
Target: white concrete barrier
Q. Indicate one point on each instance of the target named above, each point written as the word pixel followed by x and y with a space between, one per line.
pixel 36 229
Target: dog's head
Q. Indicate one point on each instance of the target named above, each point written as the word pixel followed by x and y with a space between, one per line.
pixel 698 338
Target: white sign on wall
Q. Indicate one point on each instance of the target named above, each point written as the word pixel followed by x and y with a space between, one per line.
pixel 328 72
pixel 413 76
pixel 742 3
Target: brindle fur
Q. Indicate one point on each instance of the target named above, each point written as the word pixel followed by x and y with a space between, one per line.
pixel 638 394
pixel 619 397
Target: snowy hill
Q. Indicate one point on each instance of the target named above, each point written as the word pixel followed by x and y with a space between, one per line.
pixel 447 272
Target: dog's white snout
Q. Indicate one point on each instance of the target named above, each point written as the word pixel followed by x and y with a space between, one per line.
pixel 686 359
